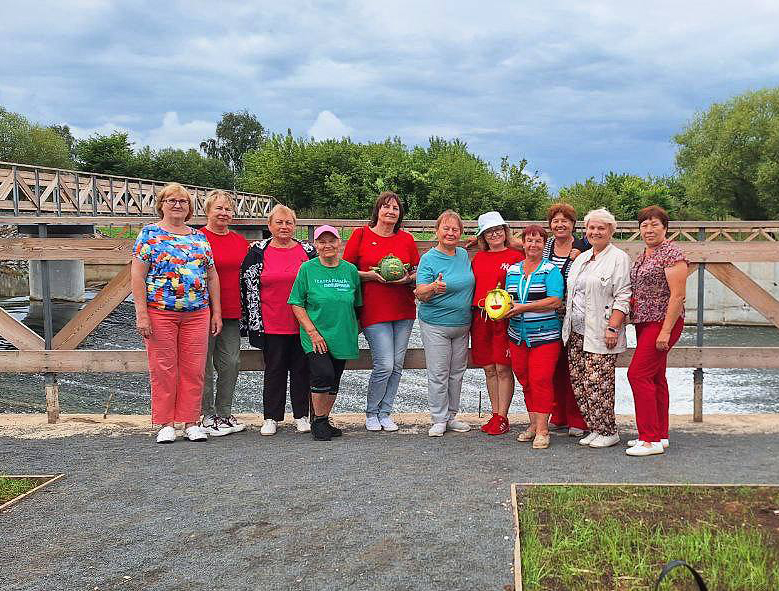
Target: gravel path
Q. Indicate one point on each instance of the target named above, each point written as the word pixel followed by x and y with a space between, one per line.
pixel 369 511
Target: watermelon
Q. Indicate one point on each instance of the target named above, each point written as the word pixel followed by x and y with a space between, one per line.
pixel 391 268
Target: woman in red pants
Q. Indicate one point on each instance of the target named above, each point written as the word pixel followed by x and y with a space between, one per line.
pixel 659 278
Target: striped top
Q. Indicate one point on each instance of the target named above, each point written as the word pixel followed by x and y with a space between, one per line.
pixel 535 328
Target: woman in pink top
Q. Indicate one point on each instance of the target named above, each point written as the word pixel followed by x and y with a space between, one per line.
pixel 267 275
pixel 659 278
pixel 224 349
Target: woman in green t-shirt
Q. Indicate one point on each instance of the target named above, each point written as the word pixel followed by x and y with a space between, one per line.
pixel 323 298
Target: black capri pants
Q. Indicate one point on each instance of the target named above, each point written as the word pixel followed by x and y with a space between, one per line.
pixel 325 372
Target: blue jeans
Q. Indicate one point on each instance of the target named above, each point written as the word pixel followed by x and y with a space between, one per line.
pixel 388 342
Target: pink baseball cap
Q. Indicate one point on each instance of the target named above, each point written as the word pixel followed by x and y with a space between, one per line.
pixel 326 228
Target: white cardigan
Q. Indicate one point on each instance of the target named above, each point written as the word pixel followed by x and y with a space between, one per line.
pixel 607 288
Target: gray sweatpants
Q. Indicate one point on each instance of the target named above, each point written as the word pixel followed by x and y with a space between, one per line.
pixel 446 357
pixel 224 356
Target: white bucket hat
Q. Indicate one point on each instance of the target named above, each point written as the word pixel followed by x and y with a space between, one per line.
pixel 489 220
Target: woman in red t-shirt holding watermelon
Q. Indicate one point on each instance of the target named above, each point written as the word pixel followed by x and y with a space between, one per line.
pixel 489 338
pixel 388 310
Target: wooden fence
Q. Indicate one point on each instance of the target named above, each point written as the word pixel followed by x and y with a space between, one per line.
pixel 715 250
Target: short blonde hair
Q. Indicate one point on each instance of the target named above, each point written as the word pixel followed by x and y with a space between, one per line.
pixel 449 213
pixel 215 194
pixel 601 215
pixel 278 209
pixel 171 190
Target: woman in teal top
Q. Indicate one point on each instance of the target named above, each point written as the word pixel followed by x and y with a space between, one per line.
pixel 445 285
pixel 323 299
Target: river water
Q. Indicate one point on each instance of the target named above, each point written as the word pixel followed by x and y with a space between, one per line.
pixel 725 391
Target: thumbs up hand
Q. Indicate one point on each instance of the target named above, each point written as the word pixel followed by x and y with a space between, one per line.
pixel 439 285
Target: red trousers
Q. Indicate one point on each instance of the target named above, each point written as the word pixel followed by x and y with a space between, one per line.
pixel 177 350
pixel 534 368
pixel 565 410
pixel 646 375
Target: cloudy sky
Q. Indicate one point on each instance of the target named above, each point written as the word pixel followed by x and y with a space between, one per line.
pixel 577 88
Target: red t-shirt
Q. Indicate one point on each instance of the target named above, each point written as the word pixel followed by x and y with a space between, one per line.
pixel 229 251
pixel 490 267
pixel 279 269
pixel 383 302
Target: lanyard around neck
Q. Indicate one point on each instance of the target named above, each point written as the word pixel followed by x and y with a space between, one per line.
pixel 524 287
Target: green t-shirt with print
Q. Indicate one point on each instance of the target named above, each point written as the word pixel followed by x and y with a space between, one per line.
pixel 329 295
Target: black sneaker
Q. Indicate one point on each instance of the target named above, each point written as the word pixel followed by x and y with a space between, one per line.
pixel 320 429
pixel 334 431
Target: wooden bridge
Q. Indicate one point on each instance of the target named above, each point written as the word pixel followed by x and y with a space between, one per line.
pixel 37 191
pixel 710 246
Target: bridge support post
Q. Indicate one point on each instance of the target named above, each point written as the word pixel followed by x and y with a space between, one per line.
pixel 697 376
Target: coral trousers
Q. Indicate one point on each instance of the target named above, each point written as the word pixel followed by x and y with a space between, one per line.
pixel 646 375
pixel 177 350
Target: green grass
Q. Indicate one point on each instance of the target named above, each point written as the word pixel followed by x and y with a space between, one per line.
pixel 578 538
pixel 11 488
pixel 124 232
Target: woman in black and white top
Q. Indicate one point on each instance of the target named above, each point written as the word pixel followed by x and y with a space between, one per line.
pixel 561 248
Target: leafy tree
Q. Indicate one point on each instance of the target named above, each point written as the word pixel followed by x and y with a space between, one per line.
pixel 64 132
pixel 106 154
pixel 28 143
pixel 729 156
pixel 182 166
pixel 236 134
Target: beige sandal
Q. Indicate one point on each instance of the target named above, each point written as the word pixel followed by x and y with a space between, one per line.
pixel 526 435
pixel 541 441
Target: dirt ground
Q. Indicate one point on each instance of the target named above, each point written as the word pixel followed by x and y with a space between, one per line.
pixel 35 426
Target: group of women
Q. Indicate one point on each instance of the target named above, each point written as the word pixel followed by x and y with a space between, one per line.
pixel 197 291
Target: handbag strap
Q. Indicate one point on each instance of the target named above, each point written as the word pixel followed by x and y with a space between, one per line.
pixel 676 563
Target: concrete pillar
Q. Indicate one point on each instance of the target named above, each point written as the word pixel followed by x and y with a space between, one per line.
pixel 66 278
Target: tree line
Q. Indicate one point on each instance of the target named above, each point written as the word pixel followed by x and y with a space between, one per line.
pixel 727 165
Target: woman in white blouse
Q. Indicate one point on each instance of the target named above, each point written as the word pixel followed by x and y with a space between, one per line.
pixel 598 301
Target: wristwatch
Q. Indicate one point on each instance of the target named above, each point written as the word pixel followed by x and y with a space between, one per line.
pixel 612 329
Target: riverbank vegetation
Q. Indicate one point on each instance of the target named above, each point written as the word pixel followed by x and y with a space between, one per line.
pixel 727 166
pixel 579 538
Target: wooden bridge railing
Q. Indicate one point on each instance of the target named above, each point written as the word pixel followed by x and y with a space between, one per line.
pixel 26 190
pixel 58 352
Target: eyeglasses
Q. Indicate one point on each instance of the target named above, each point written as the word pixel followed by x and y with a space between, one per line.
pixel 175 202
pixel 493 232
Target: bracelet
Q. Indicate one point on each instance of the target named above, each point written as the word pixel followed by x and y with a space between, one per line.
pixel 612 329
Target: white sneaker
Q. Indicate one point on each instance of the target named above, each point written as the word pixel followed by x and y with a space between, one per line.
pixel 372 423
pixel 458 426
pixel 233 424
pixel 195 433
pixel 166 435
pixel 268 427
pixel 388 424
pixel 644 450
pixel 586 440
pixel 635 442
pixel 213 426
pixel 303 425
pixel 605 440
pixel 437 430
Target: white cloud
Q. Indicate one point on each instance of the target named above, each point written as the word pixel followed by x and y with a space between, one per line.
pixel 172 133
pixel 327 126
